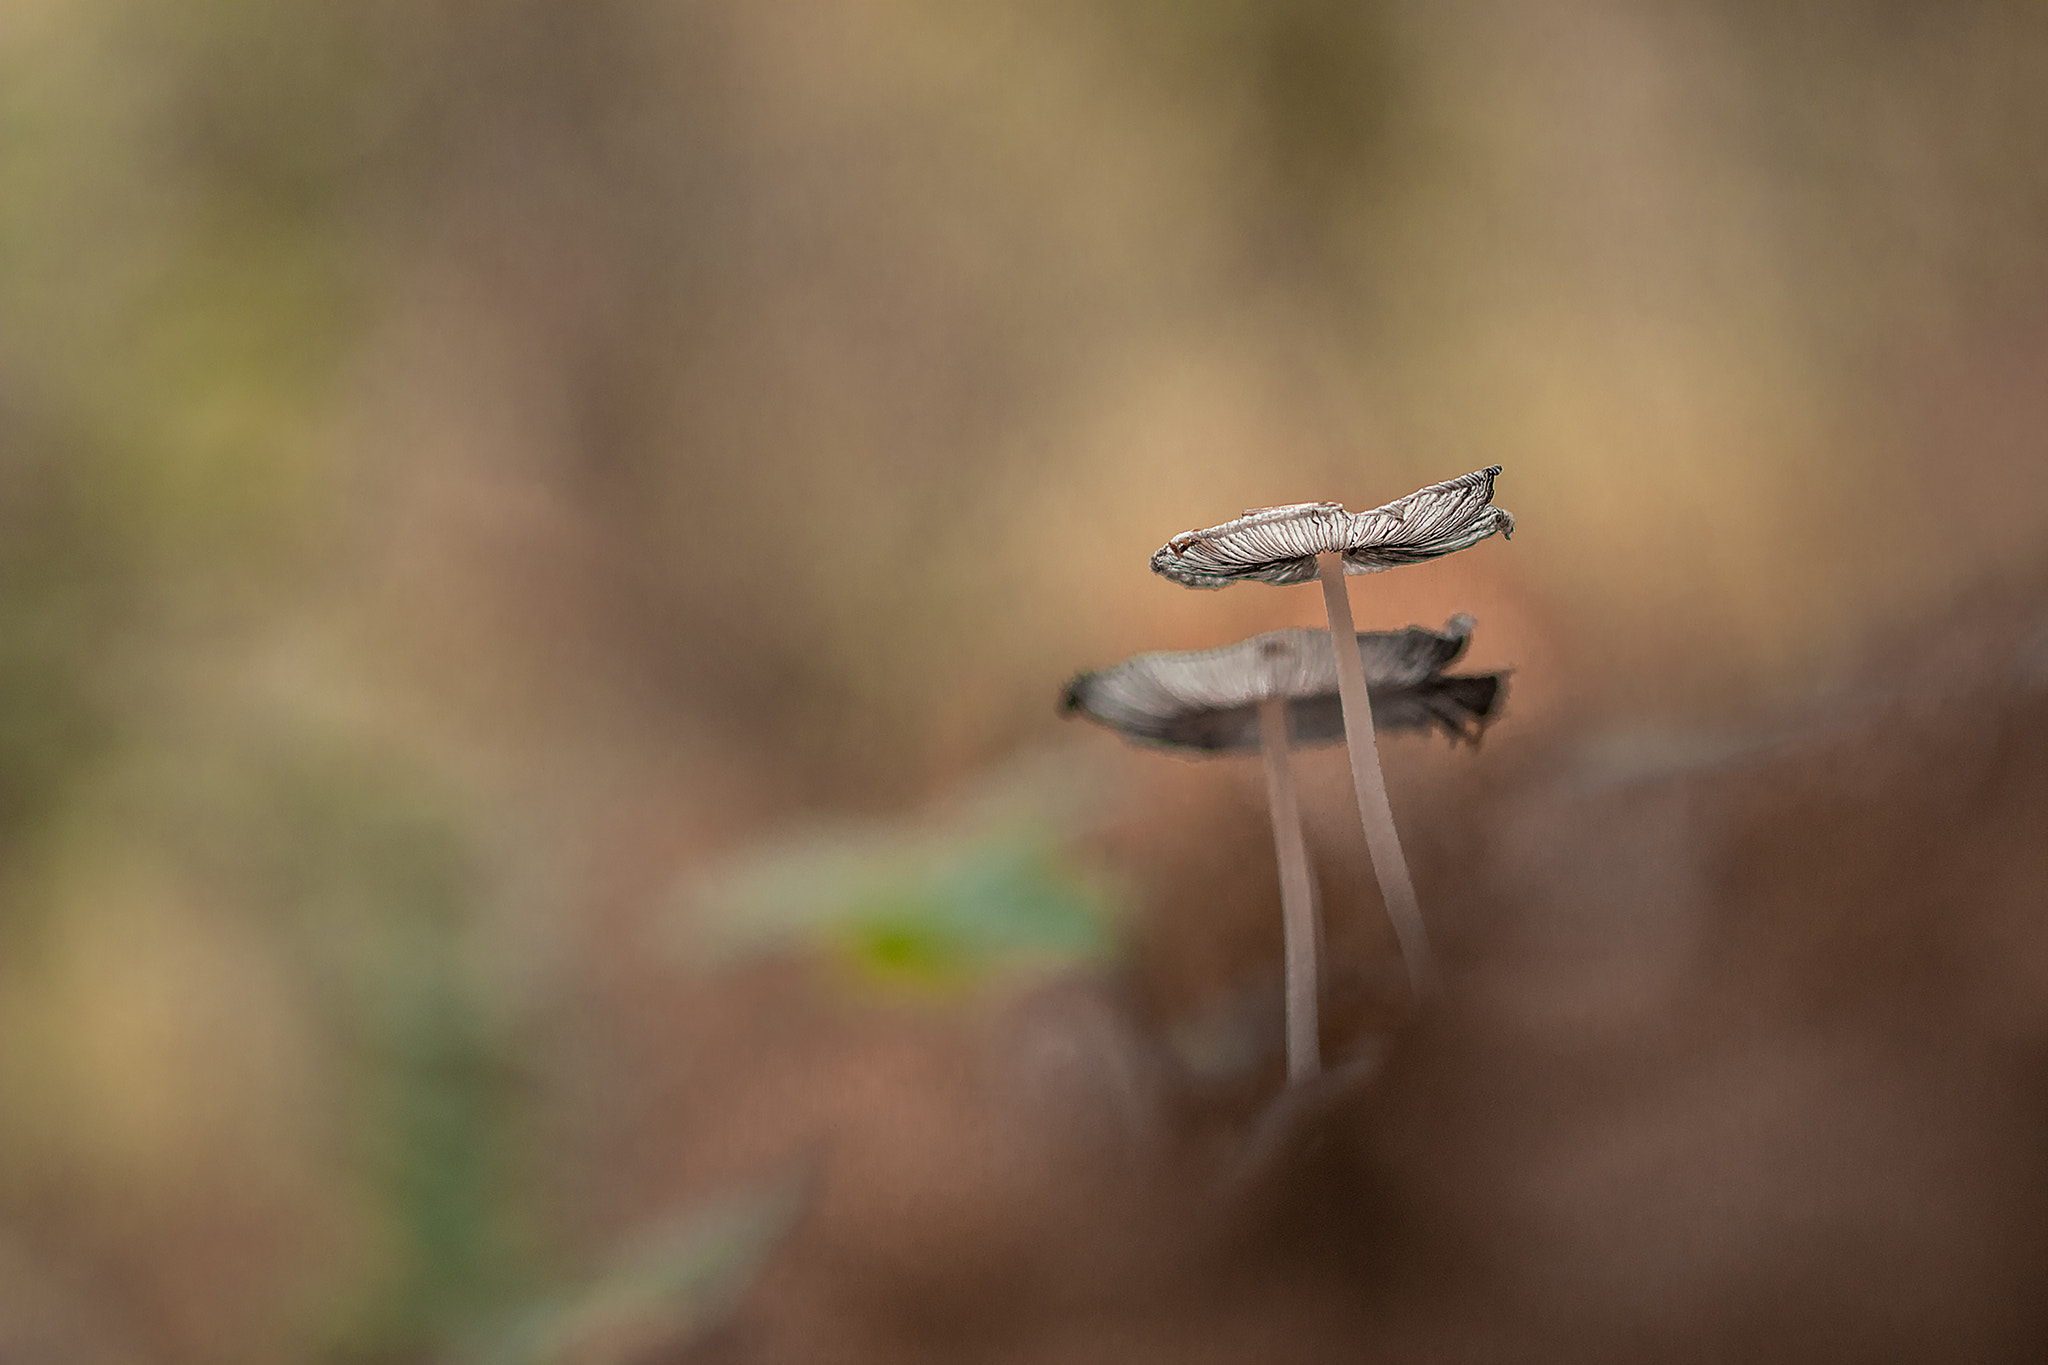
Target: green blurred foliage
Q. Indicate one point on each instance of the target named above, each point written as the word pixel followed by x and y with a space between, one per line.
pixel 180 282
pixel 917 907
pixel 671 1282
pixel 385 898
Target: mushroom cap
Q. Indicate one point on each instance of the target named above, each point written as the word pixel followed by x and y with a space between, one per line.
pixel 1209 699
pixel 1280 544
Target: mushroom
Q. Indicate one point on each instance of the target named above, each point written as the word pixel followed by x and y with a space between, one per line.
pixel 1321 540
pixel 1278 688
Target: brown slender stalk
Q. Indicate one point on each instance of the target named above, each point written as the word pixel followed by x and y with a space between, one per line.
pixel 1374 811
pixel 1297 896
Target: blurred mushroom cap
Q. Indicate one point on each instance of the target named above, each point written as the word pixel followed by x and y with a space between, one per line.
pixel 1280 544
pixel 1209 699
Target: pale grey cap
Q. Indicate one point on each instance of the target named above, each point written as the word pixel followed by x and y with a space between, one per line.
pixel 1280 544
pixel 1209 699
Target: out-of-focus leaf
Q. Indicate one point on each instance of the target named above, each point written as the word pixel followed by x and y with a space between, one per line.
pixel 938 901
pixel 677 1280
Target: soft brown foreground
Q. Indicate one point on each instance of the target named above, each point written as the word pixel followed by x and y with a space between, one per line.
pixel 1740 1058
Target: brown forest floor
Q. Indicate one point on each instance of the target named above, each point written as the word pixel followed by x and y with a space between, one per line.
pixel 1740 1057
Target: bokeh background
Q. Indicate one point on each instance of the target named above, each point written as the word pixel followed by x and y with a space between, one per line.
pixel 540 539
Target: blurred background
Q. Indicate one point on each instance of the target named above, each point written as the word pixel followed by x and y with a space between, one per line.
pixel 540 541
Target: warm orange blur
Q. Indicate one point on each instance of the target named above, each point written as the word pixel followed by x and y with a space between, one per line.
pixel 472 475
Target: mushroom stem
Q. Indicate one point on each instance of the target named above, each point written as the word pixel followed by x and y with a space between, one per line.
pixel 1374 811
pixel 1297 896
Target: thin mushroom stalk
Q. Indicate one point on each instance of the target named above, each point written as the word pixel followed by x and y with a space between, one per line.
pixel 1297 897
pixel 1375 812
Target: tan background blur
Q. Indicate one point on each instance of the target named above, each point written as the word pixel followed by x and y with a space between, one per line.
pixel 467 467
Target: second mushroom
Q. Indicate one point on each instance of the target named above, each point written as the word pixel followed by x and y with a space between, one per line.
pixel 1278 689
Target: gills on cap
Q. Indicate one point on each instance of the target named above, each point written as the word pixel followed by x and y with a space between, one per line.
pixel 1209 699
pixel 1280 544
